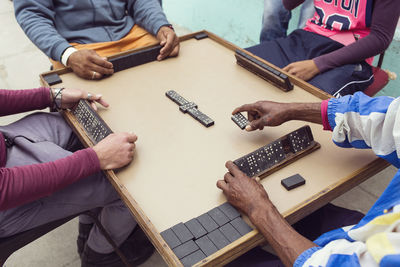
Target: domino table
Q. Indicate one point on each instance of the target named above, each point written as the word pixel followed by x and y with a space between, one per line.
pixel 170 187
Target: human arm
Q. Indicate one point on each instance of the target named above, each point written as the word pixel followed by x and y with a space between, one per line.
pixel 250 197
pixel 268 113
pixel 36 18
pixel 383 26
pixel 361 121
pixel 149 15
pixel 357 121
pixel 17 101
pixel 292 4
pixel 23 184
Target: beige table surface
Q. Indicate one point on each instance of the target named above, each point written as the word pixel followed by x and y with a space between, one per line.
pixel 178 161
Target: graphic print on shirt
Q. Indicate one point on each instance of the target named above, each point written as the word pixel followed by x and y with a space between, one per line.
pixel 341 15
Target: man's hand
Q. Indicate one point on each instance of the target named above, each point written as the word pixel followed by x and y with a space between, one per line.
pixel 116 150
pixel 250 197
pixel 268 113
pixel 304 70
pixel 242 191
pixel 263 113
pixel 169 41
pixel 70 97
pixel 89 65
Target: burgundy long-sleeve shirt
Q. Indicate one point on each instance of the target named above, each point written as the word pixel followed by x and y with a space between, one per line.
pixel 23 184
pixel 385 15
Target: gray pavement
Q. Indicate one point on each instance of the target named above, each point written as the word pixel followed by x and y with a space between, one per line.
pixel 20 64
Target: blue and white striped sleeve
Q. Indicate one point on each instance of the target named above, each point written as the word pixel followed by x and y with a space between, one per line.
pixel 360 121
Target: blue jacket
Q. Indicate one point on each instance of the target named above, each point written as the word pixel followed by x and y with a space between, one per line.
pixel 363 122
pixel 53 24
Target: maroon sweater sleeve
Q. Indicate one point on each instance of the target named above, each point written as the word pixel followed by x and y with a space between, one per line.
pixel 292 4
pixel 383 26
pixel 20 185
pixel 17 101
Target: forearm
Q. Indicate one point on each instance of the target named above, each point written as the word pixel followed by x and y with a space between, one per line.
pixel 310 112
pixel 286 242
pixel 383 26
pixel 148 14
pixel 361 121
pixel 36 18
pixel 292 4
pixel 23 184
pixel 17 101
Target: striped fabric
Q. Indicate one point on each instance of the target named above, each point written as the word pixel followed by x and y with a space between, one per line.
pixel 363 122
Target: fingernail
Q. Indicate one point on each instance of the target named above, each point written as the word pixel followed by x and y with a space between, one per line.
pixel 248 128
pixel 99 95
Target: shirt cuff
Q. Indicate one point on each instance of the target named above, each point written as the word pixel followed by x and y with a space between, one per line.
pixel 324 115
pixel 66 54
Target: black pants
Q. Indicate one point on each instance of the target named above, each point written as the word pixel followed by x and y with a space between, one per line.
pixel 303 45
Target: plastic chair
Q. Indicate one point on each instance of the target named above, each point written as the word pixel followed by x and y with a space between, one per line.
pixel 381 78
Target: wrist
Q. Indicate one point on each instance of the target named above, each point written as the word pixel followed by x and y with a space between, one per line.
pixel 56 98
pixel 260 211
pixel 66 54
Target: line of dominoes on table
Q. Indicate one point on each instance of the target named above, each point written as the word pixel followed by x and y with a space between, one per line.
pixel 261 69
pixel 93 124
pixel 190 108
pixel 278 153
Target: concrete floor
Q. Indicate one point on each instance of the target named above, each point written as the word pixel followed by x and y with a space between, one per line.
pixel 20 64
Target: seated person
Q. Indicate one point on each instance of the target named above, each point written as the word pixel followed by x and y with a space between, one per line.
pixel 356 121
pixel 275 20
pixel 80 34
pixel 46 175
pixel 333 52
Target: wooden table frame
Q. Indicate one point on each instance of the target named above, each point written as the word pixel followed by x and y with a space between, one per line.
pixel 253 238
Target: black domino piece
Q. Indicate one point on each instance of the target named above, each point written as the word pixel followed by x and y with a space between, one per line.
pixel 195 228
pixel 201 36
pixel 293 181
pixel 241 226
pixel 201 117
pixel 271 74
pixel 207 222
pixel 300 139
pixel 206 245
pixel 229 211
pixel 182 232
pixel 240 120
pixel 94 125
pixel 230 232
pixel 177 98
pixel 185 107
pixel 243 165
pixel 193 258
pixel 170 238
pixel 218 239
pixel 52 79
pixel 283 149
pixel 135 59
pixel 218 216
pixel 185 249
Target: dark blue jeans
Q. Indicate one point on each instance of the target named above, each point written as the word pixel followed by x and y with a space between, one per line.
pixel 275 20
pixel 303 45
